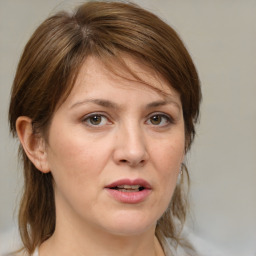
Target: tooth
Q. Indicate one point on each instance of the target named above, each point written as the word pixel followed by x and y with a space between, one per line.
pixel 129 186
pixel 128 190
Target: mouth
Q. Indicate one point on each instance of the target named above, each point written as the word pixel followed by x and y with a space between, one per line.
pixel 128 188
pixel 127 185
pixel 129 191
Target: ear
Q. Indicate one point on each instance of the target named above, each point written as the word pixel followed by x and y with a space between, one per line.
pixel 33 144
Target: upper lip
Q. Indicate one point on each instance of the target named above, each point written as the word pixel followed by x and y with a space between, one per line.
pixel 140 182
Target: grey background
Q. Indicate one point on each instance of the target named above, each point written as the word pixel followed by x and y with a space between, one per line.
pixel 221 37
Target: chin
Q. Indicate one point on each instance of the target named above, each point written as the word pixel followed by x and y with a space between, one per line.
pixel 130 230
pixel 131 224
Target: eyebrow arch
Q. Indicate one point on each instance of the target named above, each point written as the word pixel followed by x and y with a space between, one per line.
pixel 162 103
pixel 100 102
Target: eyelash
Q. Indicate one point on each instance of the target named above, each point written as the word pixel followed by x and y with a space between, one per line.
pixel 88 118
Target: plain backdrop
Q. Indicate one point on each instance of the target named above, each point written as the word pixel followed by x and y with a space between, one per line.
pixel 221 37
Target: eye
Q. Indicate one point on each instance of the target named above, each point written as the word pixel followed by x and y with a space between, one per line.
pixel 159 120
pixel 96 120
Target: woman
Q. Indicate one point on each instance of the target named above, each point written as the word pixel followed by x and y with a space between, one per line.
pixel 104 103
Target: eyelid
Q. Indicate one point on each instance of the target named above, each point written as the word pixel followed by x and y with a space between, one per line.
pixel 160 114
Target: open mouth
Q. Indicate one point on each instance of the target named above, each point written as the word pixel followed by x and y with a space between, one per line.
pixel 129 191
pixel 128 188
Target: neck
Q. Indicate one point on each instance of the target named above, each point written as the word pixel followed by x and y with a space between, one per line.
pixel 91 241
pixel 107 245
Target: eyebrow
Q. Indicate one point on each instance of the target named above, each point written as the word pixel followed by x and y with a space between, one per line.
pixel 162 103
pixel 100 102
pixel 110 104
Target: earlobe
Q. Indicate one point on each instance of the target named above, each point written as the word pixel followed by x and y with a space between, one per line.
pixel 33 144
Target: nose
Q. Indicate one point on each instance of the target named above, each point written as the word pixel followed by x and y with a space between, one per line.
pixel 130 147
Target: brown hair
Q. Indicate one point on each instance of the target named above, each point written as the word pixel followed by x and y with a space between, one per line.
pixel 46 74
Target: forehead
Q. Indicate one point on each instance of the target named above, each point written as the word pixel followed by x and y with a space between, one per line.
pixel 130 73
pixel 107 78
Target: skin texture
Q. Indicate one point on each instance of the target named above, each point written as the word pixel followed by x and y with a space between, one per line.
pixel 109 128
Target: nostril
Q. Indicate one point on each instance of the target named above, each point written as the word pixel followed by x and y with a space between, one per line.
pixel 132 163
pixel 131 160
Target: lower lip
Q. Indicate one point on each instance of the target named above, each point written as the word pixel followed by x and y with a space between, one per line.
pixel 129 197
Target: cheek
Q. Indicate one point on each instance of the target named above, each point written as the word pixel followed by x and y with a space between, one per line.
pixel 71 147
pixel 75 164
pixel 167 159
pixel 74 159
pixel 169 155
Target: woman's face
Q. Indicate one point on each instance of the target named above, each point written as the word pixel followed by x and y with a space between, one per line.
pixel 115 148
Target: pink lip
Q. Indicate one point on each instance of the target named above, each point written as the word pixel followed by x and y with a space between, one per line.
pixel 129 197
